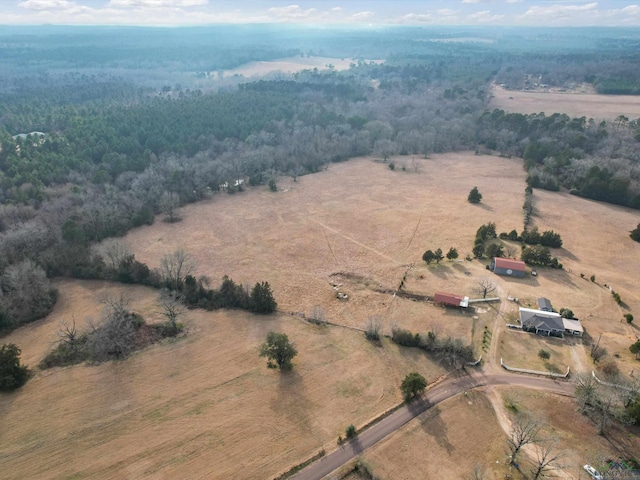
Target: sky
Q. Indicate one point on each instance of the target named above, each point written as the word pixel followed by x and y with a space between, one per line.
pixel 322 12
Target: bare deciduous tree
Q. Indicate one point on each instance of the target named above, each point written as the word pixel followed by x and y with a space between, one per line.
pixel 169 204
pixel 485 287
pixel 510 251
pixel 171 308
pixel 68 333
pixel 318 315
pixel 524 431
pixel 113 252
pixel 175 267
pixel 372 327
pixel 547 457
pixel 478 473
pixel 116 335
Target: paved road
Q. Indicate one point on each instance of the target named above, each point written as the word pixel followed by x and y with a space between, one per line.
pixel 432 397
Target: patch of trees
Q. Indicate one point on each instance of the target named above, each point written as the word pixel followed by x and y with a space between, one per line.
pixel 12 373
pixel 548 238
pixel 593 160
pixel 450 350
pixel 431 256
pixel 604 404
pixel 484 234
pixel 539 255
pixel 117 335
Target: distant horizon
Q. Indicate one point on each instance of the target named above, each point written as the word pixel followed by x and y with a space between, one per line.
pixel 338 13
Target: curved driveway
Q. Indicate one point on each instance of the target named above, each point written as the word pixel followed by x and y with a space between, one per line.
pixel 432 397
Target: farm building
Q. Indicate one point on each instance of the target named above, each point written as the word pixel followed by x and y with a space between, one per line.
pixel 450 299
pixel 508 266
pixel 541 322
pixel 544 304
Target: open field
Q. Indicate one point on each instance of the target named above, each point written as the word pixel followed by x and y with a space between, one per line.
pixel 590 105
pixel 205 406
pixel 289 65
pixel 452 437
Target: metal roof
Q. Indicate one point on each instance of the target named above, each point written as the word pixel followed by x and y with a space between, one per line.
pixel 509 263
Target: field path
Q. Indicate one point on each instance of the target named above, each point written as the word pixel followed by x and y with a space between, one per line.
pixel 434 396
pixel 353 240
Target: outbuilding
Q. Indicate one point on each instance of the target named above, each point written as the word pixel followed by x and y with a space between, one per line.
pixel 544 304
pixel 450 299
pixel 508 266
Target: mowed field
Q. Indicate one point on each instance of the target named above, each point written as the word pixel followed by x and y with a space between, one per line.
pixel 590 105
pixel 206 406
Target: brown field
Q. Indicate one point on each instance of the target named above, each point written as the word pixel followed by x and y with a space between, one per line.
pixel 465 431
pixel 447 441
pixel 590 105
pixel 207 407
pixel 289 65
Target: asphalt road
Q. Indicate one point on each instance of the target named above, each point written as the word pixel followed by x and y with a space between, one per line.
pixel 432 397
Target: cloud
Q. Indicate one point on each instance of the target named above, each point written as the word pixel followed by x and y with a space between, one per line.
pixel 46 4
pixel 158 3
pixel 484 17
pixel 559 10
pixel 367 14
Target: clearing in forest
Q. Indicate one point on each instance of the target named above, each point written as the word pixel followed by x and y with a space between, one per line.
pixel 589 105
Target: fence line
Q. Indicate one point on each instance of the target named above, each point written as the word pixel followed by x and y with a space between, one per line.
pixel 614 385
pixel 534 372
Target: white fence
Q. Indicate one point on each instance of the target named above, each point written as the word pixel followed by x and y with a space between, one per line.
pixel 614 385
pixel 534 372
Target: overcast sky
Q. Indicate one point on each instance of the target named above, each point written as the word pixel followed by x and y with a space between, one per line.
pixel 363 12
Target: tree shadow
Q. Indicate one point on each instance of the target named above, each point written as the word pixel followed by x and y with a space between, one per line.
pixel 291 401
pixel 433 425
pixel 484 206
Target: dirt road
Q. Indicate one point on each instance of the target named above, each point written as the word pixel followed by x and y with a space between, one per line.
pixel 437 394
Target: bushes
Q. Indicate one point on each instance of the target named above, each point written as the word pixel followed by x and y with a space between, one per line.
pixel 539 255
pixel 544 354
pixel 451 351
pixel 12 373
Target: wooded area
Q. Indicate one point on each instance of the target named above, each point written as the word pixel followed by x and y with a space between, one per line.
pixel 130 124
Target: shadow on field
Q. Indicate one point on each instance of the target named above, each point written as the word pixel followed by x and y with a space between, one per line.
pixel 433 425
pixel 291 400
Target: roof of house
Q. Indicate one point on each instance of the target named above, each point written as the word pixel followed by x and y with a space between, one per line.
pixel 448 298
pixel 544 304
pixel 509 263
pixel 573 325
pixel 541 320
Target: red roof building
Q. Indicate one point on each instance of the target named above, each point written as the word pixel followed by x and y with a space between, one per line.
pixel 448 299
pixel 508 266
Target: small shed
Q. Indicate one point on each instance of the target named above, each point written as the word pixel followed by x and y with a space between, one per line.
pixel 544 304
pixel 450 299
pixel 508 266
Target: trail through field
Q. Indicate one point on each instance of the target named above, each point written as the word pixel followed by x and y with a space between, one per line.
pixel 353 240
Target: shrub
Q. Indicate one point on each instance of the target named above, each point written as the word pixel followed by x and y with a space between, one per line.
pixel 628 317
pixel 593 278
pixel 12 373
pixel 405 337
pixel 616 297
pixel 474 196
pixel 392 166
pixel 566 313
pixel 350 432
pixel 544 354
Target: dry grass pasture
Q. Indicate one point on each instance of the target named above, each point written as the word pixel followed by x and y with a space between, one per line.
pixel 446 441
pixel 590 105
pixel 205 406
pixel 288 65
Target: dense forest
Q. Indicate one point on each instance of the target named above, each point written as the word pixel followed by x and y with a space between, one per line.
pixel 101 131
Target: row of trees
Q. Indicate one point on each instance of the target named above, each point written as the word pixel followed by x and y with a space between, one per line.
pixel 431 256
